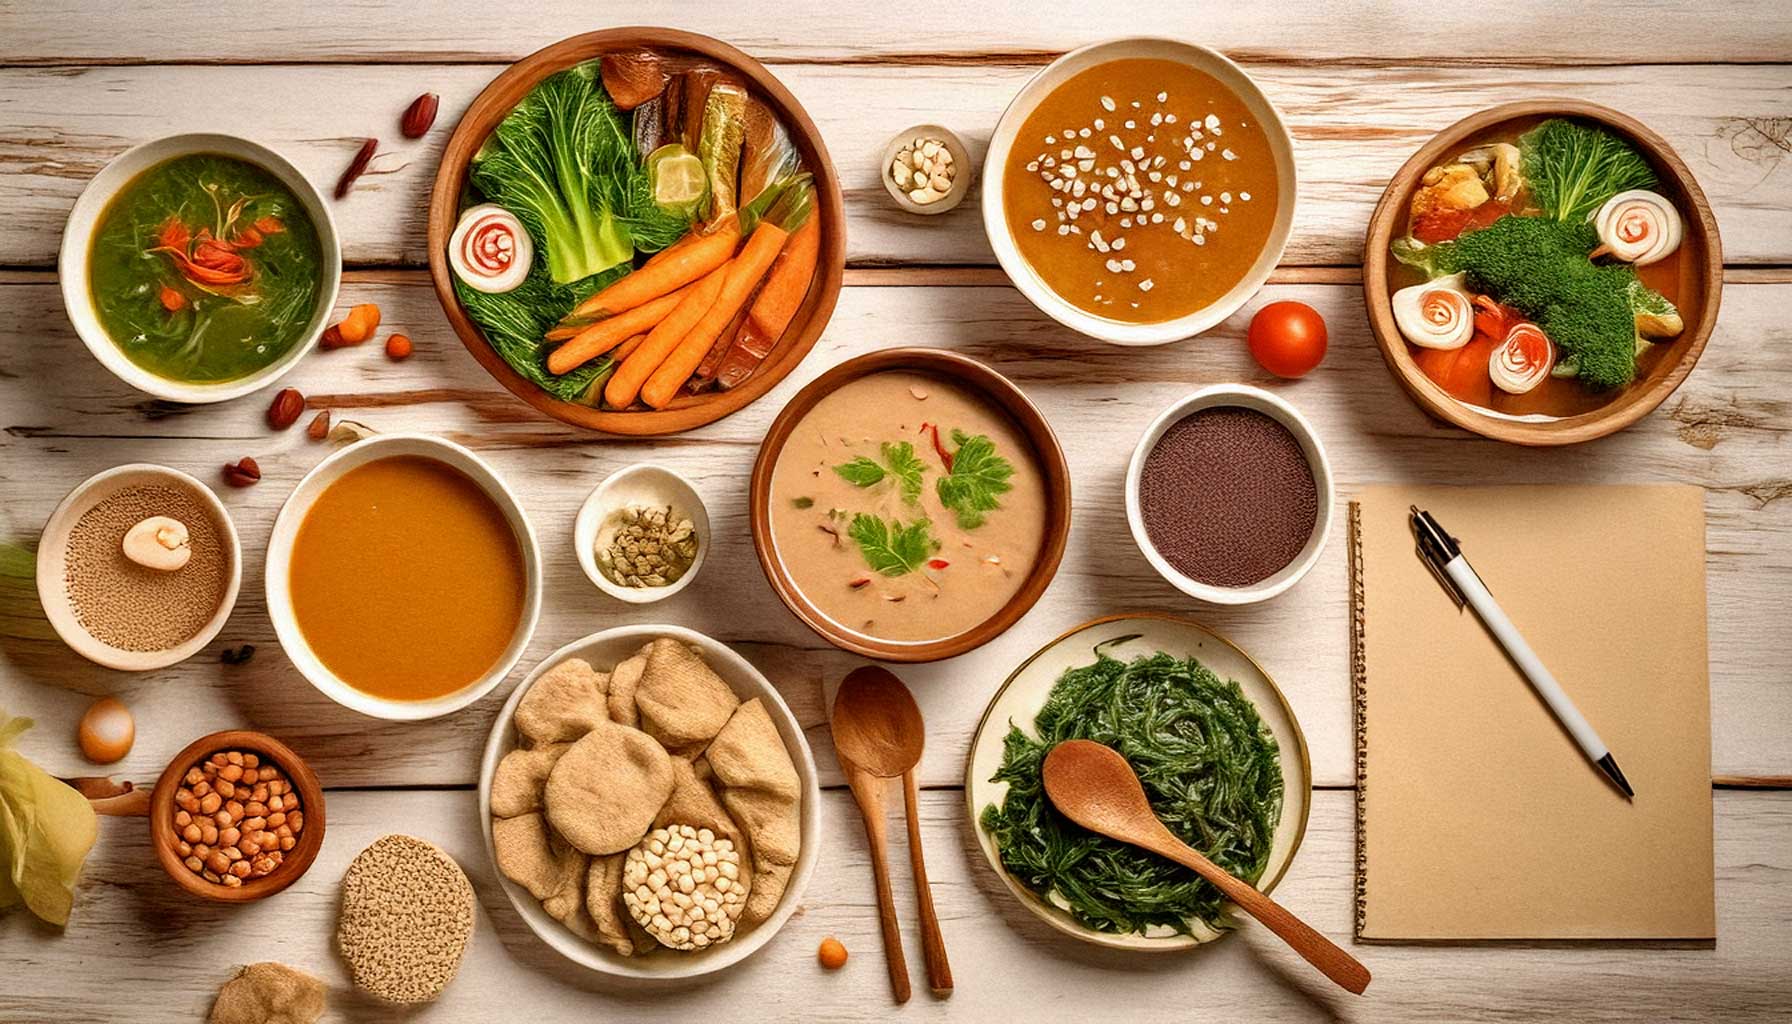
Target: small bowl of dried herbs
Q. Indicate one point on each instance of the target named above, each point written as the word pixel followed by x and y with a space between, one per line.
pixel 642 534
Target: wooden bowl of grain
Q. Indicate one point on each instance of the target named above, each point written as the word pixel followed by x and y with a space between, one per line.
pixel 122 615
pixel 297 861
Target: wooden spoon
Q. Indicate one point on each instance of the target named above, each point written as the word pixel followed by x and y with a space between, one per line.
pixel 868 792
pixel 1095 787
pixel 878 727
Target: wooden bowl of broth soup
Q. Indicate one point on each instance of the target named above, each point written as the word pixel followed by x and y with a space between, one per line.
pixel 199 268
pixel 1139 190
pixel 910 504
pixel 403 579
pixel 1482 174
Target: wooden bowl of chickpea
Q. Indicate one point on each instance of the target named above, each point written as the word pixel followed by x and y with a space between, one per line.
pixel 236 817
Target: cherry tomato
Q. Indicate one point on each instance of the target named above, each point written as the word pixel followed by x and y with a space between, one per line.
pixel 1288 338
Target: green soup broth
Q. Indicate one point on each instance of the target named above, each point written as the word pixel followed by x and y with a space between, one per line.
pixel 205 269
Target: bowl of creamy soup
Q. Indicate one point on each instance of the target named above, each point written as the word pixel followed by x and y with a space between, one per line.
pixel 403 579
pixel 910 504
pixel 1139 190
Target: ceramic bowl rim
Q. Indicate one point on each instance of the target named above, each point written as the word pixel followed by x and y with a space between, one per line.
pixel 52 596
pixel 97 195
pixel 285 533
pixel 1283 412
pixel 501 740
pixel 1028 281
pixel 590 519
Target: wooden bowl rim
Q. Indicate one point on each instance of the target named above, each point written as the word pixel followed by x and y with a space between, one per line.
pixel 161 815
pixel 965 371
pixel 686 412
pixel 1643 397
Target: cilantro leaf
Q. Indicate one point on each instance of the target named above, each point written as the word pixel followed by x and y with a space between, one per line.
pixel 892 548
pixel 978 476
pixel 860 472
pixel 900 462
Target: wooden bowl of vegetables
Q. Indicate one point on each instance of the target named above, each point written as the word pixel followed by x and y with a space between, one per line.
pixel 637 230
pixel 1543 272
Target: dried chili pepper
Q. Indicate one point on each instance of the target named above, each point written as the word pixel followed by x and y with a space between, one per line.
pixel 356 167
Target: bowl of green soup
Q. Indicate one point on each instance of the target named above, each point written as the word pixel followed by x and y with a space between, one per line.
pixel 201 267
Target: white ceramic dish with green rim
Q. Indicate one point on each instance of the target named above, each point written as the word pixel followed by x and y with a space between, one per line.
pixel 1025 278
pixel 604 650
pixel 77 242
pixel 1023 693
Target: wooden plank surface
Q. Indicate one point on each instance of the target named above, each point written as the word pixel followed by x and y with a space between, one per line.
pixel 138 952
pixel 58 127
pixel 1525 32
pixel 64 418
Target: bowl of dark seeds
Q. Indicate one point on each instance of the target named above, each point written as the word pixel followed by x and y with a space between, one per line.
pixel 1229 495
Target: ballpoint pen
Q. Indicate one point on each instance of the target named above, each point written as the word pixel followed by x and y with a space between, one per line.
pixel 1443 556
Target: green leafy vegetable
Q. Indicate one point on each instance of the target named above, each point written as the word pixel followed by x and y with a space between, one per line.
pixel 900 463
pixel 1574 168
pixel 46 831
pixel 892 548
pixel 514 323
pixel 1539 266
pixel 564 162
pixel 978 476
pixel 1209 767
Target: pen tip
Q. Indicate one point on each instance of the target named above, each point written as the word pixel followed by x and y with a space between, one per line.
pixel 1609 765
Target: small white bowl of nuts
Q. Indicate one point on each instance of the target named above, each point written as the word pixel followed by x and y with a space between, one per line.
pixel 642 534
pixel 926 169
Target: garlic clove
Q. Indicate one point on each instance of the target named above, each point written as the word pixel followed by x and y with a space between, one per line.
pixel 158 543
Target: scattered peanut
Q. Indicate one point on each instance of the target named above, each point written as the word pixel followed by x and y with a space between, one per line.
pixel 220 827
pixel 924 170
pixel 398 347
pixel 832 954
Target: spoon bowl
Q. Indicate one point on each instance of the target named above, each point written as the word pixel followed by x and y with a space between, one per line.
pixel 877 724
pixel 1095 787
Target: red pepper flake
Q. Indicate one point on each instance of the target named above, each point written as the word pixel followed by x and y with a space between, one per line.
pixel 858 581
pixel 940 449
pixel 356 167
pixel 937 563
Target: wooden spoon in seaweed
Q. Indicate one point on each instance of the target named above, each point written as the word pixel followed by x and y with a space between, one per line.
pixel 878 728
pixel 1095 787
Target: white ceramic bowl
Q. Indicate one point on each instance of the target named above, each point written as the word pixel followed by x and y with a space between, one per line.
pixel 52 550
pixel 995 214
pixel 279 565
pixel 645 483
pixel 603 650
pixel 77 239
pixel 1024 693
pixel 1262 401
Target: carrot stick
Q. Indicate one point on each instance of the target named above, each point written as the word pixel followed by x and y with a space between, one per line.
pixel 712 360
pixel 606 334
pixel 684 264
pixel 785 287
pixel 623 350
pixel 744 274
pixel 625 385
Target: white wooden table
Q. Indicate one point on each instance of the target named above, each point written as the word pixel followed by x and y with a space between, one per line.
pixel 1360 85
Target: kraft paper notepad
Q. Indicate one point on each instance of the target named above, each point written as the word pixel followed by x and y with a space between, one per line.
pixel 1478 817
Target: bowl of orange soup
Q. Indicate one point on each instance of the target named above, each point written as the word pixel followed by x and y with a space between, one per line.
pixel 403 579
pixel 1139 190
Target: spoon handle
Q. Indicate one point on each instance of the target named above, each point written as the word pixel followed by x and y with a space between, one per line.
pixel 1315 948
pixel 868 791
pixel 933 944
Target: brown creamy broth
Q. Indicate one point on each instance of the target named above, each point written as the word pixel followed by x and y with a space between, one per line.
pixel 812 508
pixel 1141 190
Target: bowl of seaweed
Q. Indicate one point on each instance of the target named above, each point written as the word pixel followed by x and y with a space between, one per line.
pixel 1221 756
pixel 637 230
pixel 1543 273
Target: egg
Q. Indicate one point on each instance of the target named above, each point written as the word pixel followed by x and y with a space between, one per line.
pixel 107 731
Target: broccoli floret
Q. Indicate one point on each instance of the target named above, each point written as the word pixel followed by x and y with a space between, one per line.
pixel 1539 267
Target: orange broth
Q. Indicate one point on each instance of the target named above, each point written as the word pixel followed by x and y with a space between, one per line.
pixel 1141 190
pixel 406 579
